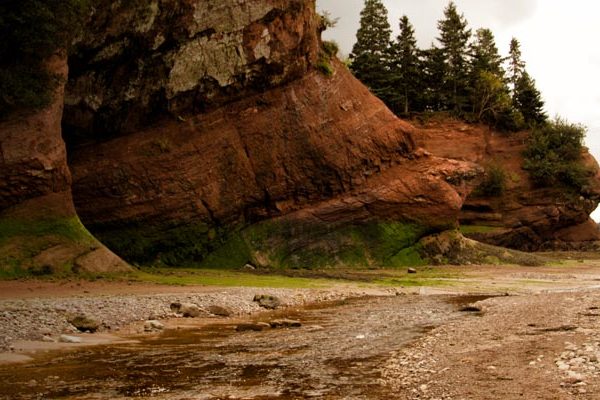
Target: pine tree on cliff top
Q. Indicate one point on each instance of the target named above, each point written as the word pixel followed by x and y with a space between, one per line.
pixel 433 72
pixel 527 99
pixel 490 95
pixel 454 39
pixel 516 66
pixel 404 68
pixel 485 55
pixel 370 54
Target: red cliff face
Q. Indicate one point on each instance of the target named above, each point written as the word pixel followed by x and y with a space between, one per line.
pixel 269 138
pixel 202 131
pixel 524 217
pixel 39 228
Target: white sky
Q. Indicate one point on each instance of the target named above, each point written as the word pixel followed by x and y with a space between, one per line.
pixel 558 41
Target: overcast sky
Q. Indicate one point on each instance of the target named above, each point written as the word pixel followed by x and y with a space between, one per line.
pixel 558 40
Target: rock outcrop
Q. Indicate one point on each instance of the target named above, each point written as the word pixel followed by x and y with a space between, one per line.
pixel 220 132
pixel 39 228
pixel 236 158
pixel 524 217
pixel 138 61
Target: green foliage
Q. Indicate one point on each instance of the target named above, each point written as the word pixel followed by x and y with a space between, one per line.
pixel 404 70
pixel 467 79
pixel 433 72
pixel 485 55
pixel 494 182
pixel 370 54
pixel 553 155
pixel 454 38
pixel 516 66
pixel 324 65
pixel 528 101
pixel 32 31
pixel 330 48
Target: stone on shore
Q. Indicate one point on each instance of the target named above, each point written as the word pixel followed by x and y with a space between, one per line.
pixel 267 301
pixel 69 339
pixel 83 323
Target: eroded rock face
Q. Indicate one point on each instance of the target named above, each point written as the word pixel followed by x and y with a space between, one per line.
pixel 141 60
pixel 39 228
pixel 33 159
pixel 524 217
pixel 223 124
pixel 319 149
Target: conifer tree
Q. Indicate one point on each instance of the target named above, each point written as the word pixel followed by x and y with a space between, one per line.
pixel 528 100
pixel 404 68
pixel 484 53
pixel 516 66
pixel 433 72
pixel 454 38
pixel 371 52
pixel 490 95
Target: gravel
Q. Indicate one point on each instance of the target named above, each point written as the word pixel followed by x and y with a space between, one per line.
pixel 36 318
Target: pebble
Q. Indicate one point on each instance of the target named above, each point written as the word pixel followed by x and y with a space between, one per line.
pixel 69 339
pixel 153 325
pixel 285 323
pixel 29 319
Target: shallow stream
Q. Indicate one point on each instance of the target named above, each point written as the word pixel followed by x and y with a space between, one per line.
pixel 334 355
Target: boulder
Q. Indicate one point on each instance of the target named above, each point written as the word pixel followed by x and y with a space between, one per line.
pixel 189 310
pixel 267 301
pixel 84 323
pixel 153 325
pixel 219 311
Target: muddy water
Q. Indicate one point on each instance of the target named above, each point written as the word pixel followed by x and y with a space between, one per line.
pixel 334 355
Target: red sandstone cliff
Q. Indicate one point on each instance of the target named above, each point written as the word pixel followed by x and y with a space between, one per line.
pixel 202 131
pixel 245 129
pixel 524 217
pixel 39 228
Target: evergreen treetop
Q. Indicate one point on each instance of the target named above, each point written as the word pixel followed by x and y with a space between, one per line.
pixel 454 38
pixel 404 67
pixel 516 66
pixel 484 53
pixel 373 36
pixel 528 100
pixel 371 53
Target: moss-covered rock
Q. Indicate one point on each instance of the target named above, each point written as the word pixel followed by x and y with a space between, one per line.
pixel 173 245
pixel 451 247
pixel 47 246
pixel 286 243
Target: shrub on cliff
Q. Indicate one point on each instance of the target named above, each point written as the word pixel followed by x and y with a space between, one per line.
pixel 553 155
pixel 494 182
pixel 32 31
